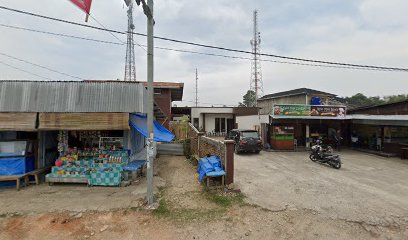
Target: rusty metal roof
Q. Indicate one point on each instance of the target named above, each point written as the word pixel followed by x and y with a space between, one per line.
pixel 72 96
pixel 176 89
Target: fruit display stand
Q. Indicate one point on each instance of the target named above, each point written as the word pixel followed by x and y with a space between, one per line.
pixel 96 168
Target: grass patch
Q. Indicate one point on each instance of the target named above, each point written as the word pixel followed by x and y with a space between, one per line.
pixel 226 200
pixel 162 210
pixel 165 210
pixel 5 215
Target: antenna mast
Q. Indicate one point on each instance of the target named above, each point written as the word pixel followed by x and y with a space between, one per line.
pixel 196 89
pixel 256 72
pixel 130 68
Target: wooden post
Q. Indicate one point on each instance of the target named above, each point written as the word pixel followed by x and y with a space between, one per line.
pixel 199 135
pixel 229 161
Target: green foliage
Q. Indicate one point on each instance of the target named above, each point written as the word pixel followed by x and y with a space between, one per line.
pixel 360 100
pixel 249 99
pixel 187 148
pixel 396 98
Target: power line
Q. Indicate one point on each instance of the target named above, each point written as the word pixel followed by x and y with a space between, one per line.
pixel 114 34
pixel 59 34
pixel 189 51
pixel 218 104
pixel 22 70
pixel 40 66
pixel 120 40
pixel 214 47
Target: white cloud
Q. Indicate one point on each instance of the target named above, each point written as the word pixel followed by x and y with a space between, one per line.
pixel 385 14
pixel 365 31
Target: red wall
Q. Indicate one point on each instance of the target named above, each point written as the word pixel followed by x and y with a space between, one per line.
pixel 163 100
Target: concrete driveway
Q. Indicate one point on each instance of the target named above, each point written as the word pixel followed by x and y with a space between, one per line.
pixel 367 188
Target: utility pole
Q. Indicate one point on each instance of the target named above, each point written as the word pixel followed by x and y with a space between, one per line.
pixel 196 89
pixel 150 70
pixel 256 71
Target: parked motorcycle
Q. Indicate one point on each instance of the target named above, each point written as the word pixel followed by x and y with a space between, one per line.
pixel 324 155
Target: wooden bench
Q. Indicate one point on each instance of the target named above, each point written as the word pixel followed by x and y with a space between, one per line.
pixel 215 175
pixel 15 178
pixel 404 153
pixel 37 172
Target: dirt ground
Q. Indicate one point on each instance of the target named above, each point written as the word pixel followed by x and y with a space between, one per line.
pixel 368 188
pixel 188 212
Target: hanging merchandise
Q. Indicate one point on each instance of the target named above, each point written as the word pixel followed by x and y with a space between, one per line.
pixel 62 142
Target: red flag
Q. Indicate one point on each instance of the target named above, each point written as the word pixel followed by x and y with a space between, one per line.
pixel 85 5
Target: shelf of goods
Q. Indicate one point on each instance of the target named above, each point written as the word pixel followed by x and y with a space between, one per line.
pixel 283 138
pixel 96 168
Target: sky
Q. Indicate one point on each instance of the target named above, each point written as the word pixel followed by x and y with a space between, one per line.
pixel 369 32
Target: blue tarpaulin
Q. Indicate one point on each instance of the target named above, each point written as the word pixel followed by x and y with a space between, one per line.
pixel 11 164
pixel 134 165
pixel 139 122
pixel 208 165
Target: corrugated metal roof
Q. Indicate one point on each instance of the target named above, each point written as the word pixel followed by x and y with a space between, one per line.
pixel 297 91
pixel 79 96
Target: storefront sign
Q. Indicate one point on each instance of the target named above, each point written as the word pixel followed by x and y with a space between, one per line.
pixel 328 111
pixel 309 110
pixel 291 110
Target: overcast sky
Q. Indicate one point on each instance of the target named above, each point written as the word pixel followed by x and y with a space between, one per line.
pixel 356 31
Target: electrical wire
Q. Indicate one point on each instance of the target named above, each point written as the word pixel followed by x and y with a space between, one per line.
pixel 115 35
pixel 213 47
pixel 188 51
pixel 218 104
pixel 60 34
pixel 40 66
pixel 22 70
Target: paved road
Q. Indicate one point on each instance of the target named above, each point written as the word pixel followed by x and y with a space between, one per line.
pixel 367 188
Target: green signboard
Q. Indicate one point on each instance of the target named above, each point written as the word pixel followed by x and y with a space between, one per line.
pixel 309 110
pixel 291 110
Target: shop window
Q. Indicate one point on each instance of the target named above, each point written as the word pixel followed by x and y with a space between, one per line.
pixel 219 125
pixel 396 134
pixel 196 122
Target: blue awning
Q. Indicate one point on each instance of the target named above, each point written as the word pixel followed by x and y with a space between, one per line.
pixel 139 122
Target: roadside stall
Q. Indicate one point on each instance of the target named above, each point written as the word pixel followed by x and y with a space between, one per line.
pixel 100 157
pixel 293 125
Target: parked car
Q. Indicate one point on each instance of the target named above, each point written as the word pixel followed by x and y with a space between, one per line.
pixel 245 140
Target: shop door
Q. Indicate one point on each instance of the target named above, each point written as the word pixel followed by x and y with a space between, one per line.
pixel 230 124
pixel 222 124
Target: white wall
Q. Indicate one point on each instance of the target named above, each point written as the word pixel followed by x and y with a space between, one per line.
pixel 249 122
pixel 210 115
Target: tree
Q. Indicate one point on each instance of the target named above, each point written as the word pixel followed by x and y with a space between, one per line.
pixel 396 98
pixel 249 99
pixel 360 100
